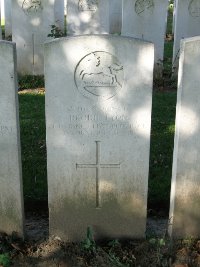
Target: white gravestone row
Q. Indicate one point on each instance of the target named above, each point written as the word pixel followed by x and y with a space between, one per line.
pixel 11 198
pixel 98 134
pixel 187 21
pixel 87 17
pixel 95 125
pixel 185 192
pixel 33 20
pixel 59 15
pixel 32 25
pixel 146 19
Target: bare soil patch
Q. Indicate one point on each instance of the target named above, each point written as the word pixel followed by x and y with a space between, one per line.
pixel 156 251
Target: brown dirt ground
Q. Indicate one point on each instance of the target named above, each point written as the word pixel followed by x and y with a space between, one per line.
pixel 156 251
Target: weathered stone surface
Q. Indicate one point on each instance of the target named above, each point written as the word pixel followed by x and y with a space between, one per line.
pixel 0 22
pixel 98 116
pixel 115 15
pixel 59 14
pixel 32 25
pixel 187 21
pixel 87 17
pixel 11 197
pixel 8 18
pixel 146 19
pixel 185 191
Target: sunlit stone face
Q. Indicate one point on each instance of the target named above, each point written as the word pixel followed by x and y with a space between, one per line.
pixel 33 20
pixel 146 19
pixel 185 193
pixel 98 133
pixel 11 195
pixel 87 17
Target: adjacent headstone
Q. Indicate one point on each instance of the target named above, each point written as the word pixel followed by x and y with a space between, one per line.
pixel 32 25
pixel 174 16
pixel 185 191
pixel 8 18
pixel 65 7
pixel 11 197
pixel 0 23
pixel 59 14
pixel 186 25
pixel 146 19
pixel 115 16
pixel 98 132
pixel 87 17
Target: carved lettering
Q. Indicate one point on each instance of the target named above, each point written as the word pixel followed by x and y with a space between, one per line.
pixel 95 129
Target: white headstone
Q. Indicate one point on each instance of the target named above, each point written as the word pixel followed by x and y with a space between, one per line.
pixel 185 191
pixel 8 18
pixel 87 17
pixel 174 16
pixel 98 133
pixel 187 23
pixel 115 15
pixel 0 23
pixel 59 14
pixel 32 25
pixel 11 198
pixel 65 7
pixel 146 19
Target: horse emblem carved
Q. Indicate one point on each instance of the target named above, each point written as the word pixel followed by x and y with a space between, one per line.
pixel 31 6
pixel 99 75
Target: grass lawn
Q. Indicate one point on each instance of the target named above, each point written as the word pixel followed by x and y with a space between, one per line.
pixel 33 146
pixel 162 142
pixel 2 22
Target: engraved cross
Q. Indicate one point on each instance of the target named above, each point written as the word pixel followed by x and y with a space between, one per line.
pixel 98 166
